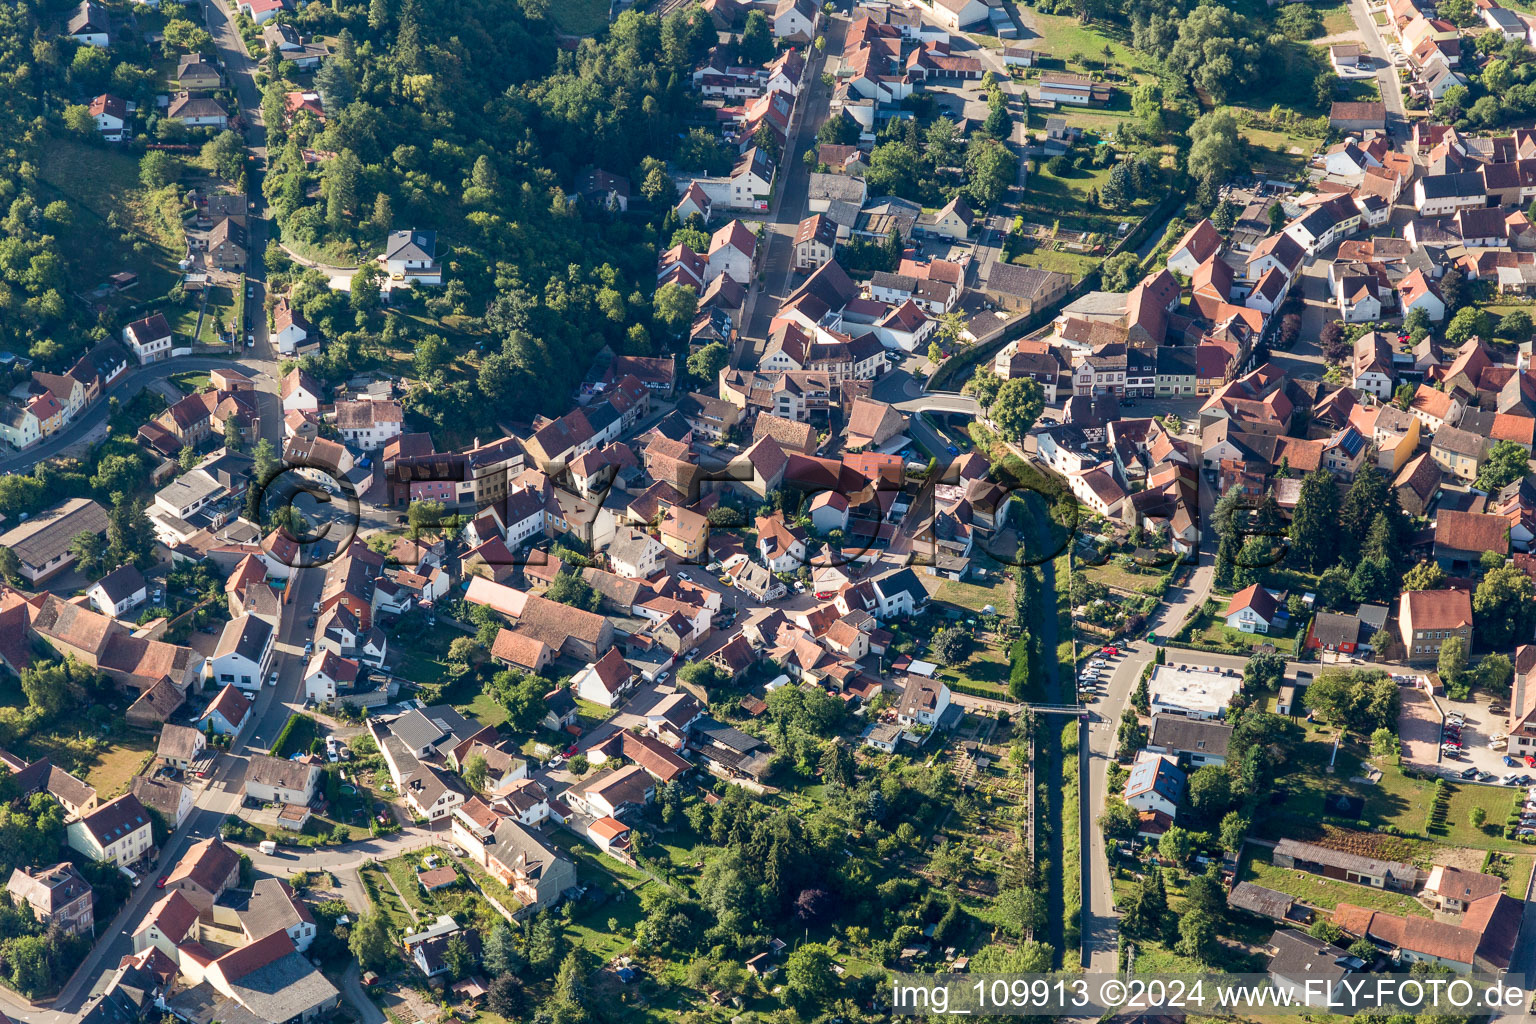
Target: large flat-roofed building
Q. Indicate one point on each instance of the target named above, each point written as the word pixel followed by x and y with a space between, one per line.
pixel 1193 691
pixel 42 543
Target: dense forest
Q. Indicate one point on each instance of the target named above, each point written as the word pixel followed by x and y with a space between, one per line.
pixel 436 121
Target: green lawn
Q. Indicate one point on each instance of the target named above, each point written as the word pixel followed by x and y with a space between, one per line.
pixel 1221 633
pixel 190 382
pixel 1326 893
pixel 95 182
pixel 1074 265
pixel 1113 574
pixel 104 752
pixel 1050 199
pixel 1396 801
pixel 969 595
pixel 1336 19
pixel 376 884
pixel 581 17
pixel 588 859
pixel 986 669
pixel 1272 149
pixel 423 657
pixel 1065 37
pixel 590 713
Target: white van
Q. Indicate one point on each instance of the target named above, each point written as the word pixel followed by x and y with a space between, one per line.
pixel 267 847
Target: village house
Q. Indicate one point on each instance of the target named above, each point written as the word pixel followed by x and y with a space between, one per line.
pixel 1428 618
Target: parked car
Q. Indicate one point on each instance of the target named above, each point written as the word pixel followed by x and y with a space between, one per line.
pixel 272 679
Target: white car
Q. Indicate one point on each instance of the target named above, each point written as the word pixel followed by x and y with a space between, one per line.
pixel 272 679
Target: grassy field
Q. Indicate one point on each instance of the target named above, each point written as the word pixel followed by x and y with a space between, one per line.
pixel 423 658
pixel 190 382
pixel 1074 265
pixel 987 669
pixel 1064 37
pixel 581 17
pixel 1273 150
pixel 118 764
pixel 969 595
pixel 1336 19
pixel 376 884
pixel 1396 801
pixel 1326 893
pixel 106 759
pixel 96 181
pixel 1113 574
pixel 1050 198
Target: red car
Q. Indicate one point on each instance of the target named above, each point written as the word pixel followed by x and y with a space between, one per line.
pixel 1109 652
pixel 160 884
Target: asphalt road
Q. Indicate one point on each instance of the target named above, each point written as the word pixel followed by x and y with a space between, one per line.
pixel 1100 920
pixel 792 205
pixel 1386 74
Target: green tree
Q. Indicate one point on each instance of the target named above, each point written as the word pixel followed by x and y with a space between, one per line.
pixel 983 386
pixel 1495 673
pixel 498 952
pixel 1234 828
pixel 574 590
pixel 756 40
pixel 77 118
pixel 370 942
pixel 1502 607
pixel 1424 576
pixel 704 674
pixel 340 183
pixel 674 306
pixel 705 364
pixel 1314 524
pixel 1118 822
pixel 364 292
pixel 424 515
pixel 1507 462
pixel 1264 671
pixel 1018 405
pixel 1453 659
pixel 991 169
pixel 1121 272
pixel 225 153
pixel 10 566
pixel 1176 845
pixel 1468 323
pixel 1515 326
pixel 808 974
pixel 1214 145
pixel 952 646
pixel 157 168
pixel 1197 937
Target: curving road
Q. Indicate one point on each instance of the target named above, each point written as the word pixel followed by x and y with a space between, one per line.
pixel 132 381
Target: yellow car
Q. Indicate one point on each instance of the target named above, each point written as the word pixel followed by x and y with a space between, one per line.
pixel 727 581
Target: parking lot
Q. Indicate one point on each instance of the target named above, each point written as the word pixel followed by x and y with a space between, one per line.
pixel 1480 733
pixel 1095 675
